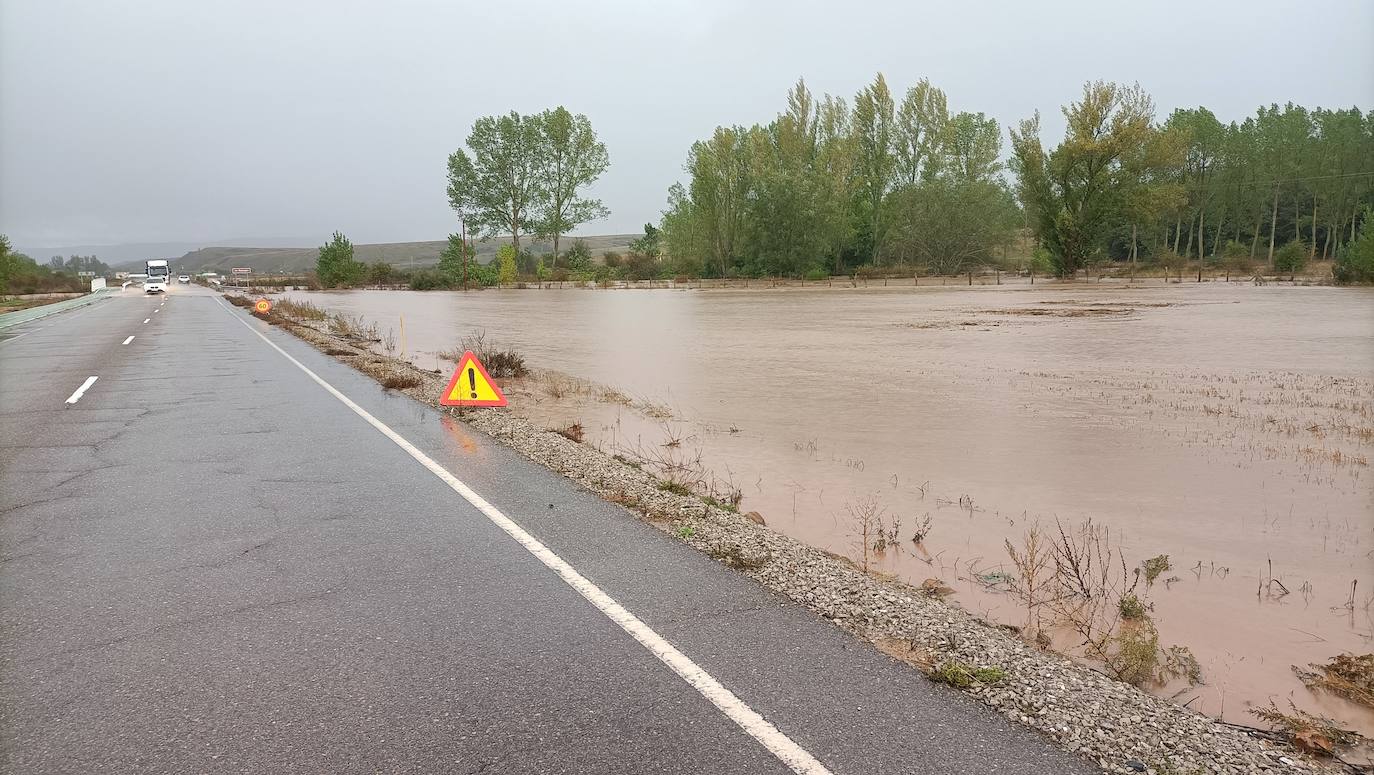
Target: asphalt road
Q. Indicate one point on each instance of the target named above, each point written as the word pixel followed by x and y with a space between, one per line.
pixel 208 563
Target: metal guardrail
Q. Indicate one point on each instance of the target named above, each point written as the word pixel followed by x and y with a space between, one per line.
pixel 10 319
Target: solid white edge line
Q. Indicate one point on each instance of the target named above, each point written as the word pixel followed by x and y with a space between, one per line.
pixel 74 397
pixel 130 339
pixel 796 758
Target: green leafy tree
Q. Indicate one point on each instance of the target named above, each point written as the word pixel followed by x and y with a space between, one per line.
pixel 505 262
pixel 570 159
pixel 1291 258
pixel 452 259
pixel 875 162
pixel 499 187
pixel 919 132
pixel 971 146
pixel 335 266
pixel 1072 194
pixel 9 264
pixel 1356 263
pixel 650 243
pixel 579 257
pixel 950 225
pixel 1205 139
pixel 380 273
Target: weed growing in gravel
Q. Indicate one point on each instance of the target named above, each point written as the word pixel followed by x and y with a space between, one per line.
pixel 735 556
pixel 631 463
pixel 675 488
pixel 956 673
pixel 686 531
pixel 711 501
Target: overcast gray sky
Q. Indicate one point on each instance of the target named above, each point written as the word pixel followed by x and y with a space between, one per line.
pixel 177 120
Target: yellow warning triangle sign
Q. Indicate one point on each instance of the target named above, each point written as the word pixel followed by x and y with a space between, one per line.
pixel 472 385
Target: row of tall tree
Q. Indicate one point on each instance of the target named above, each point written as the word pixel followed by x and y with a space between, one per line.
pixel 829 185
pixel 1120 183
pixel 524 175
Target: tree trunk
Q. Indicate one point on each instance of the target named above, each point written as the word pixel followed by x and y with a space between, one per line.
pixel 1216 241
pixel 1178 231
pixel 1254 240
pixel 1188 246
pixel 1200 232
pixel 1133 250
pixel 1311 254
pixel 1273 224
pixel 554 262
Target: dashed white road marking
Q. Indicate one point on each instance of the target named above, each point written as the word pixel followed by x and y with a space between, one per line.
pixel 130 339
pixel 81 391
pixel 145 320
pixel 796 758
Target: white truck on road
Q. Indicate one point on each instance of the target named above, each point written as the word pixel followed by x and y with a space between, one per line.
pixel 159 275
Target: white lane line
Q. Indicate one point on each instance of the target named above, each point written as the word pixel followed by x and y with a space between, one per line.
pixel 145 320
pixel 159 309
pixel 796 758
pixel 82 390
pixel 19 336
pixel 130 339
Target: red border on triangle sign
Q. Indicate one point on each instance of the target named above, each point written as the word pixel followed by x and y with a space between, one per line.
pixel 467 360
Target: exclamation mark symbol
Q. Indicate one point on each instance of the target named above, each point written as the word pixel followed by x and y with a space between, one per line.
pixel 472 381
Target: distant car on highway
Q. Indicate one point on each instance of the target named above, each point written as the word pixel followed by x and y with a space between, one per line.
pixel 185 278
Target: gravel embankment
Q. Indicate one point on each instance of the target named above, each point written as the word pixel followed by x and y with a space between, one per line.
pixel 1120 727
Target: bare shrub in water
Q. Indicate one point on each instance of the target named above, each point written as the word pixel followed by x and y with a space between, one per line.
pixel 1078 580
pixel 499 363
pixel 873 530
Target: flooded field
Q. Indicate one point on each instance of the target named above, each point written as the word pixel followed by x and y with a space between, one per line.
pixel 1227 426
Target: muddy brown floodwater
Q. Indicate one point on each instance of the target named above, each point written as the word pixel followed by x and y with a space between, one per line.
pixel 1224 425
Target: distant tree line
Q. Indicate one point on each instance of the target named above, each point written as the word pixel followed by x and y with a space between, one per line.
pixel 828 187
pixel 1284 187
pixel 831 186
pixel 21 274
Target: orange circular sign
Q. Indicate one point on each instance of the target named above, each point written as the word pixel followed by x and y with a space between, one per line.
pixel 263 306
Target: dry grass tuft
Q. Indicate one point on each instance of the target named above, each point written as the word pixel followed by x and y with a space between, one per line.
pixel 572 432
pixel 399 381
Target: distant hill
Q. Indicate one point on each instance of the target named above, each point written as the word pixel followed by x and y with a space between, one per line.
pixel 138 252
pixel 402 255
